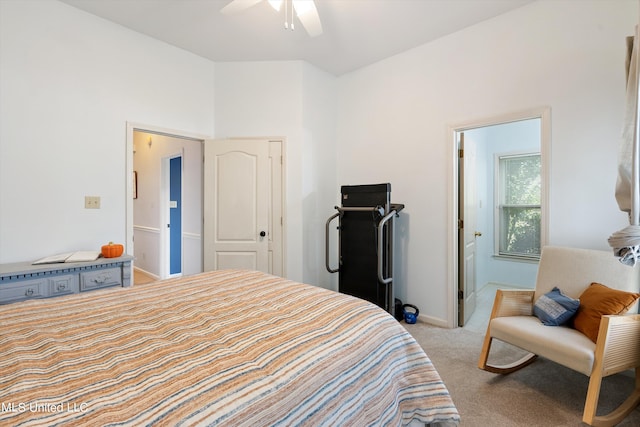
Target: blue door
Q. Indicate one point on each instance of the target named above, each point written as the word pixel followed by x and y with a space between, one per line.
pixel 175 215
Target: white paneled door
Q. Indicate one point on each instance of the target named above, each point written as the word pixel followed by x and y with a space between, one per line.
pixel 239 225
pixel 467 230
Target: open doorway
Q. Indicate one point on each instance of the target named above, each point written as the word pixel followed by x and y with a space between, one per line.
pixel 147 210
pixel 166 211
pixel 483 261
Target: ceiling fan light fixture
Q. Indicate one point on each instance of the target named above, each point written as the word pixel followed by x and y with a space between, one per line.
pixel 305 10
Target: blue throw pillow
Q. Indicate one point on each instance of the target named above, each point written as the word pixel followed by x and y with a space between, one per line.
pixel 555 308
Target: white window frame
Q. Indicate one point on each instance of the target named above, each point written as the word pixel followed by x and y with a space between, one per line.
pixel 498 190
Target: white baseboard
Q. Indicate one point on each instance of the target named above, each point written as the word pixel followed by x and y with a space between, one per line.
pixel 435 321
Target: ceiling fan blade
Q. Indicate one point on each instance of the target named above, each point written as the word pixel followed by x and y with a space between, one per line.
pixel 236 6
pixel 308 16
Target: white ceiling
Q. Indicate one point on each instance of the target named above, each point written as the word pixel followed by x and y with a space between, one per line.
pixel 356 32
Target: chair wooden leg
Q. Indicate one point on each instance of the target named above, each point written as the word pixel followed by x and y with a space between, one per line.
pixel 501 369
pixel 615 416
pixel 593 394
pixel 484 354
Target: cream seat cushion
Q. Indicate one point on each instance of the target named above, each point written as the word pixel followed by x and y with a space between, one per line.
pixel 561 344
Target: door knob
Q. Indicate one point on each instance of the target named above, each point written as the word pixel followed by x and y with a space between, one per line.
pixel 263 233
pixel 477 234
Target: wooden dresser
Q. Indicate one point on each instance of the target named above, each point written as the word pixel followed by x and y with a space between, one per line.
pixel 22 281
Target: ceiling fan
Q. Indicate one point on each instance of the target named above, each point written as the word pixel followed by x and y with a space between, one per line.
pixel 305 10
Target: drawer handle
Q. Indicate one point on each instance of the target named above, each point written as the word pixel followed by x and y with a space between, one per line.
pixel 62 286
pixel 29 292
pixel 102 278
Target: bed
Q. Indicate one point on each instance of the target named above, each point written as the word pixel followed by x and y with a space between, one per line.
pixel 229 347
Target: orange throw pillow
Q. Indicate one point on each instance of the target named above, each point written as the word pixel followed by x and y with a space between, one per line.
pixel 599 300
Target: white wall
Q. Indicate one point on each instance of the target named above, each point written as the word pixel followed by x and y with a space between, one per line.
pixel 394 118
pixel 86 78
pixel 296 101
pixel 320 191
pixel 70 82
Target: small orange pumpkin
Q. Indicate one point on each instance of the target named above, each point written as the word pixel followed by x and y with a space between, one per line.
pixel 112 250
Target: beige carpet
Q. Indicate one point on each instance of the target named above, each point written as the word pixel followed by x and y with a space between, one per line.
pixel 543 394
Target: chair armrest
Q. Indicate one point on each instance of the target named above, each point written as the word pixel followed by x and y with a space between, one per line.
pixel 513 302
pixel 618 345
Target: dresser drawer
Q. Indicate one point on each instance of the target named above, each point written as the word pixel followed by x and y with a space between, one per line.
pixel 23 290
pixel 62 285
pixel 100 279
pixel 24 280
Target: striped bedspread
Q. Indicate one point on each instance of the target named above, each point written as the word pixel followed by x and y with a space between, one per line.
pixel 229 348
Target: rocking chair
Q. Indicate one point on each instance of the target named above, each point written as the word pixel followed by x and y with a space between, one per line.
pixel 616 348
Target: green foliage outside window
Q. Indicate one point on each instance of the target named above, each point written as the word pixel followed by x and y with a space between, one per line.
pixel 519 208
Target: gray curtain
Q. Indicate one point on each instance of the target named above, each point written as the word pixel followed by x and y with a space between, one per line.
pixel 626 242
